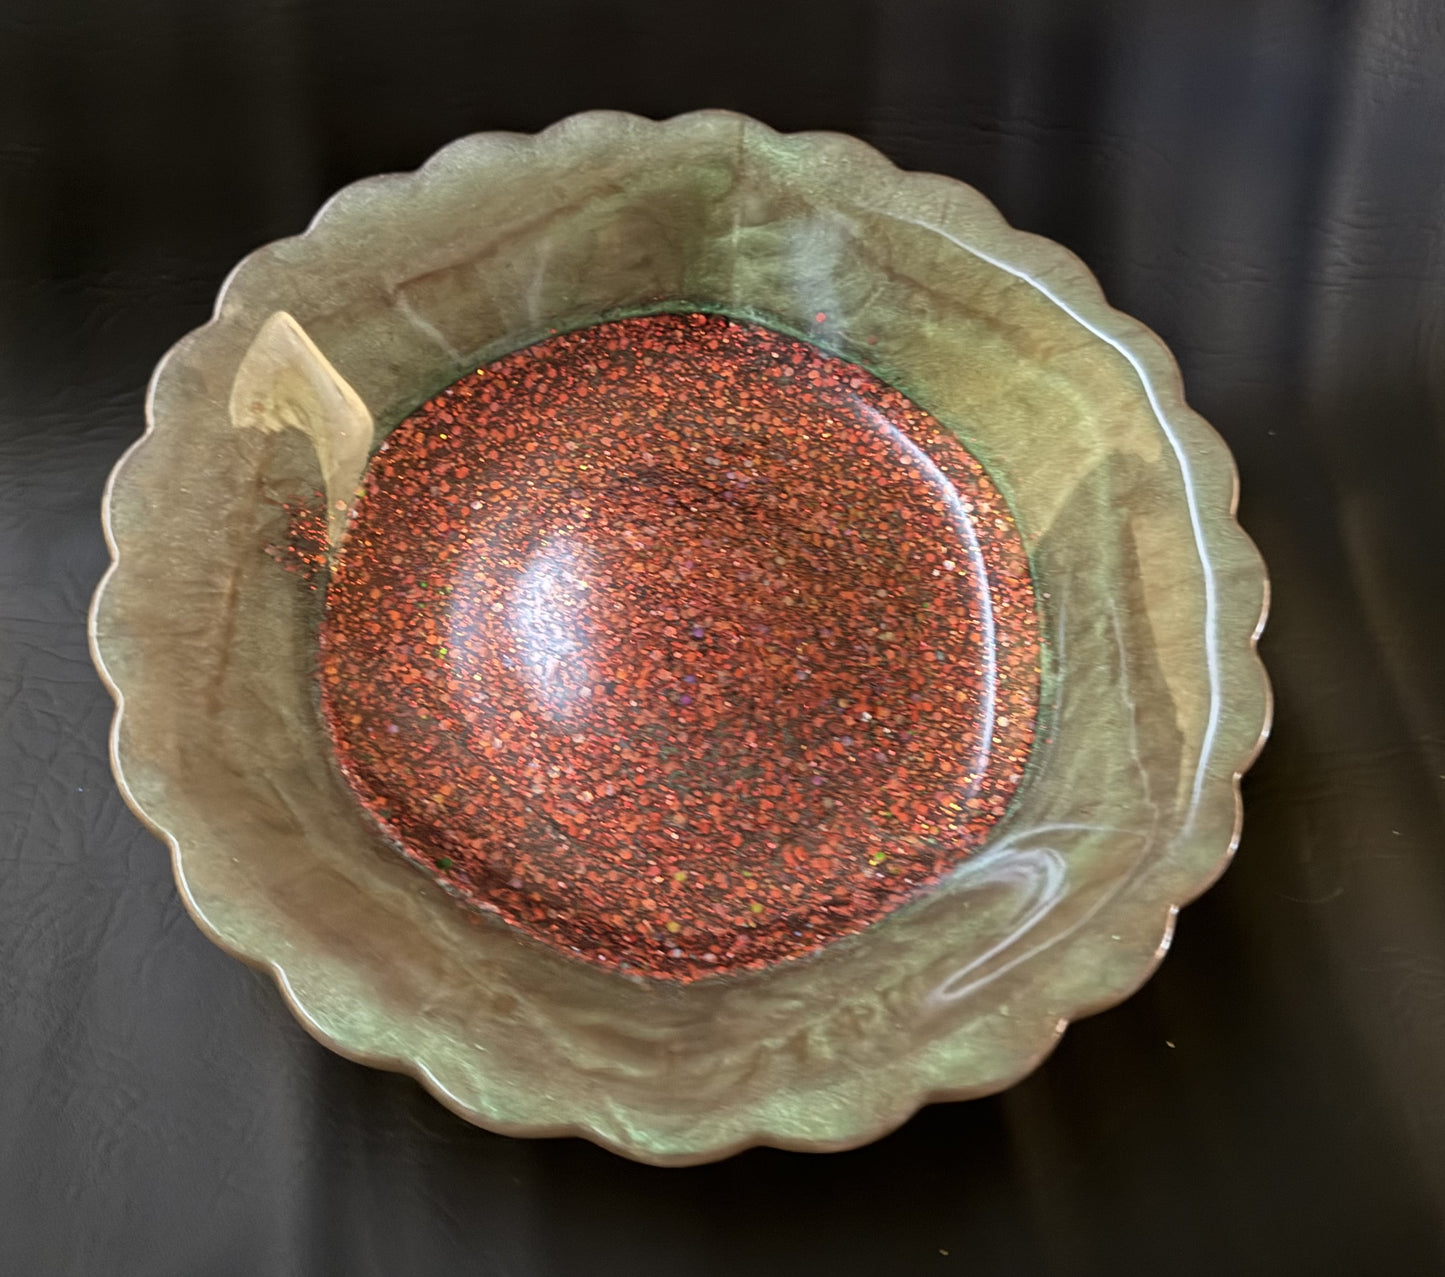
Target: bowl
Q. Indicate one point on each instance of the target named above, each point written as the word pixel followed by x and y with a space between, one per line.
pixel 948 958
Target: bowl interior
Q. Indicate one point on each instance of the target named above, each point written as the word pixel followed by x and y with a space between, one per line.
pixel 680 645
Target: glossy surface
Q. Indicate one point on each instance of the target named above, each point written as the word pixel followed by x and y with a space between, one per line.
pixel 1124 499
pixel 680 645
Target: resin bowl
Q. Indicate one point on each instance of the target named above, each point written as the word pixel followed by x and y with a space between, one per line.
pixel 1148 599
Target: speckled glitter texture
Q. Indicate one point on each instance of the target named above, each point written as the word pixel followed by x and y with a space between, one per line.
pixel 681 645
pixel 304 550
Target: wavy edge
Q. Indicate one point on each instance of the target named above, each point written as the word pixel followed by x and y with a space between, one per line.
pixel 1153 362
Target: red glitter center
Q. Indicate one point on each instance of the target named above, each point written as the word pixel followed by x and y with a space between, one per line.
pixel 681 645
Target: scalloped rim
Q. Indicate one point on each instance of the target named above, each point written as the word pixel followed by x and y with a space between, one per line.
pixel 1071 285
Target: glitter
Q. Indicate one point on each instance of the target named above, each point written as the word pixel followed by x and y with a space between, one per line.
pixel 523 597
pixel 304 550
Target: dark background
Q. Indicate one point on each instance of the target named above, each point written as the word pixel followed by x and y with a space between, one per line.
pixel 1263 183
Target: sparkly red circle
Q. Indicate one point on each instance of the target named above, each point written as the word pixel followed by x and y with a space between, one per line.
pixel 680 645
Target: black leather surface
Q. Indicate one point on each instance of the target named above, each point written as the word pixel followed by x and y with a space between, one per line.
pixel 1263 183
